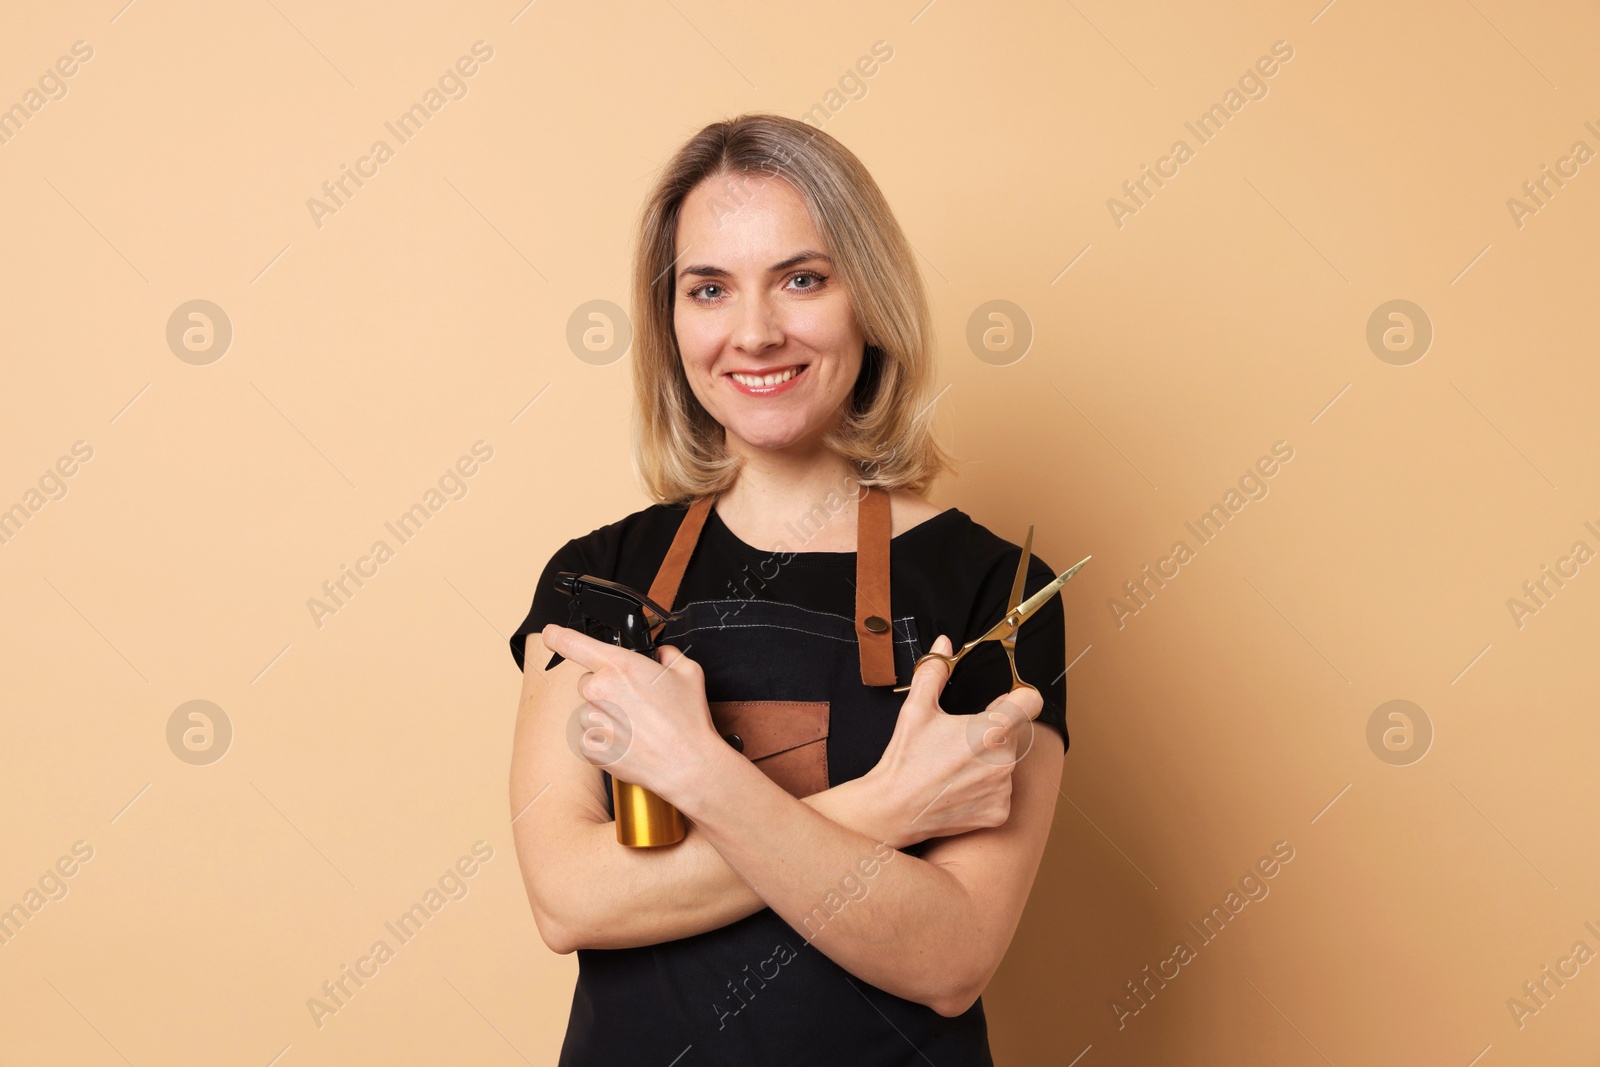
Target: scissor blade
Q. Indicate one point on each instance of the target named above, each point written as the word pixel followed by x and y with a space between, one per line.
pixel 1017 583
pixel 1004 630
pixel 1033 603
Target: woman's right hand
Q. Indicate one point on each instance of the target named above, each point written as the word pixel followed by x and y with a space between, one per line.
pixel 947 774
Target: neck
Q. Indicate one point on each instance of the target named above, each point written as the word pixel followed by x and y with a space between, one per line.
pixel 782 497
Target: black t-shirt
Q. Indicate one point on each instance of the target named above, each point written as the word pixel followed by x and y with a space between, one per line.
pixel 948 572
pixel 951 576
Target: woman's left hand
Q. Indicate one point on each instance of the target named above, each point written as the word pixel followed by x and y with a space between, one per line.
pixel 645 721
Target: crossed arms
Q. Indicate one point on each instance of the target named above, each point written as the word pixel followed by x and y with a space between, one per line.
pixel 932 930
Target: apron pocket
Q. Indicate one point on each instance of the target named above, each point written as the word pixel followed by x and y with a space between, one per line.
pixel 786 739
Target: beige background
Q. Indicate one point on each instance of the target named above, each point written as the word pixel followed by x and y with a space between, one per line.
pixel 1228 313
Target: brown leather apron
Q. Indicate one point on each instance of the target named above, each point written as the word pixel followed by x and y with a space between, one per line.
pixel 788 738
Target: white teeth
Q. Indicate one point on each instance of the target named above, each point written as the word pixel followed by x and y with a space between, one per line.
pixel 770 379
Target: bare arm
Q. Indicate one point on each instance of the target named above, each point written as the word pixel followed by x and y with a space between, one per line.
pixel 586 890
pixel 927 931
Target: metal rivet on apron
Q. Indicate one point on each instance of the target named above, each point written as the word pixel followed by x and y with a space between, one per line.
pixel 876 624
pixel 735 740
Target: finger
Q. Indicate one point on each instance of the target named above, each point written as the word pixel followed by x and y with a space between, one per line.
pixel 928 680
pixel 1014 714
pixel 1028 699
pixel 1017 707
pixel 579 646
pixel 585 680
pixel 599 730
pixel 671 658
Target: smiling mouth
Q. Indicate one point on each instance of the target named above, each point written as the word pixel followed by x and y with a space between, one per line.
pixel 768 379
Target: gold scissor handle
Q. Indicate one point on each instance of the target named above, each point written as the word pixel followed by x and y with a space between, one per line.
pixel 949 661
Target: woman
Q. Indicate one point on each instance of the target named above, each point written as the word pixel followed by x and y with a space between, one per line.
pixel 857 859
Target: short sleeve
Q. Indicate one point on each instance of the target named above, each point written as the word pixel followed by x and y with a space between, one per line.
pixel 1041 649
pixel 550 605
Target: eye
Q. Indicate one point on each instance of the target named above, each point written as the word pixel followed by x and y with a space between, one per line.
pixel 692 294
pixel 817 281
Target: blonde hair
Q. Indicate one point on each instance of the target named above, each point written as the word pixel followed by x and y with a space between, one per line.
pixel 887 429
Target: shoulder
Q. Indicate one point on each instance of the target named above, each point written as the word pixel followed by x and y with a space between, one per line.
pixel 907 509
pixel 618 550
pixel 644 524
pixel 971 566
pixel 956 537
pixel 629 535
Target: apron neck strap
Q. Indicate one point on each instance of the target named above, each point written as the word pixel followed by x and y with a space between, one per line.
pixel 665 586
pixel 874 632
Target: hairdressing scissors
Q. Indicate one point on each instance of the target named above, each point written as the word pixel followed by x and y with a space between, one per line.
pixel 1005 631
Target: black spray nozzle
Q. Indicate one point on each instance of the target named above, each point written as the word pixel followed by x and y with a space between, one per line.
pixel 610 612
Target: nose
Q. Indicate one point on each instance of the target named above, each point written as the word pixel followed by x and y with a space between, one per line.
pixel 757 327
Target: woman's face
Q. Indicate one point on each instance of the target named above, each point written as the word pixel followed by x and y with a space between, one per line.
pixel 755 296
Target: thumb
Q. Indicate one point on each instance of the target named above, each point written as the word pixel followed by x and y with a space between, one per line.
pixel 1028 699
pixel 928 681
pixel 1012 710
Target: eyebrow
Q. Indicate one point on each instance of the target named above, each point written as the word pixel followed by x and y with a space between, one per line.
pixel 705 270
